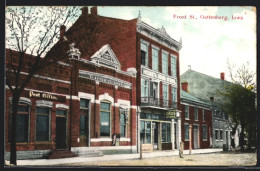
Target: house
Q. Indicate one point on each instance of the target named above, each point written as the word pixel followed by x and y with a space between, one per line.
pixel 197 115
pixel 207 89
pixel 117 88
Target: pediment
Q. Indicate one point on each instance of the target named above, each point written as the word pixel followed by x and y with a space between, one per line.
pixel 106 57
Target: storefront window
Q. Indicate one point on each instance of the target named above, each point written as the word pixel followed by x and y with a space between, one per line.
pixel 204 132
pixel 145 132
pixel 166 132
pixel 186 129
pixel 105 119
pixel 42 124
pixel 22 120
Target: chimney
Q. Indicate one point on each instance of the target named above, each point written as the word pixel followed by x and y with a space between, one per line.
pixel 84 11
pixel 93 10
pixel 222 76
pixel 62 31
pixel 184 86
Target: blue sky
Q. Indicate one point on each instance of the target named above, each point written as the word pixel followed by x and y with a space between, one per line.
pixel 207 43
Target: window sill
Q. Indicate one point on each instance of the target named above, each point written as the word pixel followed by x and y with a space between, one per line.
pixel 100 139
pixel 186 140
pixel 205 140
pixel 125 139
pixel 217 140
pixel 187 119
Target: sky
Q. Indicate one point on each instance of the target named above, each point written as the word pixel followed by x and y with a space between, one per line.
pixel 206 43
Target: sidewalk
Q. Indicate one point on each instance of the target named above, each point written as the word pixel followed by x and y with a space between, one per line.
pixel 49 162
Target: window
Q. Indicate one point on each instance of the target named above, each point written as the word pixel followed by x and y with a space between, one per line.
pixel 144 54
pixel 165 95
pixel 22 123
pixel 186 130
pixel 221 134
pixel 196 117
pixel 166 132
pixel 216 134
pixel 105 119
pixel 174 97
pixel 154 90
pixel 155 62
pixel 204 132
pixel 173 66
pixel 84 103
pixel 203 114
pixel 145 132
pixel 186 112
pixel 42 124
pixel 144 89
pixel 164 63
pixel 122 123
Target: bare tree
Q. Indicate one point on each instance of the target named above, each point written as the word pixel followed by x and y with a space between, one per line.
pixel 31 33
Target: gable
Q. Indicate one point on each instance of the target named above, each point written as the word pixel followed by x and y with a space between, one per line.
pixel 106 57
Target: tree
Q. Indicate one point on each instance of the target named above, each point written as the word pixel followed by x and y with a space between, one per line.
pixel 239 102
pixel 30 34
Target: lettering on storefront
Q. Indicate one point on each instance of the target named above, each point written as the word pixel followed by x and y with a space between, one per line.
pixel 47 96
pixel 171 114
pixel 159 76
pixel 105 79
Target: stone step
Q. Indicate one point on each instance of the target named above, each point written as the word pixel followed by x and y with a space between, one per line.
pixel 60 154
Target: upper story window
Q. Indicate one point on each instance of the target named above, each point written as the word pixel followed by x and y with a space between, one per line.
pixel 105 119
pixel 186 132
pixel 164 63
pixel 173 66
pixel 174 97
pixel 203 114
pixel 144 54
pixel 123 114
pixel 165 95
pixel 154 90
pixel 196 117
pixel 186 112
pixel 204 132
pixel 144 88
pixel 155 58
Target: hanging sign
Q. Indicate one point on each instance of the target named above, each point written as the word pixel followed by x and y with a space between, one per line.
pixel 171 114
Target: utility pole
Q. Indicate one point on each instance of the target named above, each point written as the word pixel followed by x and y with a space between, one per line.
pixel 190 131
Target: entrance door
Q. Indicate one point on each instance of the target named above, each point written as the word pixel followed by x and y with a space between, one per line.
pixel 196 137
pixel 227 138
pixel 60 132
pixel 155 135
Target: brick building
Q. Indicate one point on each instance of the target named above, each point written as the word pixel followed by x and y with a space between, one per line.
pixel 207 89
pixel 197 115
pixel 119 77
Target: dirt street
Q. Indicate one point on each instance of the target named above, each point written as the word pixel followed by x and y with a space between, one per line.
pixel 212 159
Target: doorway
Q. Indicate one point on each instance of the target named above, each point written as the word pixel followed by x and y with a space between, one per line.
pixel 196 137
pixel 155 135
pixel 61 132
pixel 175 136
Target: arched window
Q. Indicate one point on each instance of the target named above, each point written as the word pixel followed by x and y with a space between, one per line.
pixel 105 111
pixel 22 121
pixel 43 120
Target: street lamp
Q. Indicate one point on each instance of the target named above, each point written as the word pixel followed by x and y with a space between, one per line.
pixel 73 54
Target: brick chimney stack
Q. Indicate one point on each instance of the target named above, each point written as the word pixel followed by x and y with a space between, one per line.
pixel 62 31
pixel 93 10
pixel 222 76
pixel 84 11
pixel 184 86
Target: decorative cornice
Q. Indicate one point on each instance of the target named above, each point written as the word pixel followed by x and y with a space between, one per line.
pixel 160 33
pixel 105 79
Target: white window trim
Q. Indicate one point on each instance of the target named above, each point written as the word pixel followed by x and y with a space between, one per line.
pixel 188 112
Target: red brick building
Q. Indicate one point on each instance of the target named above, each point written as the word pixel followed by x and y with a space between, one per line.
pixel 120 81
pixel 197 116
